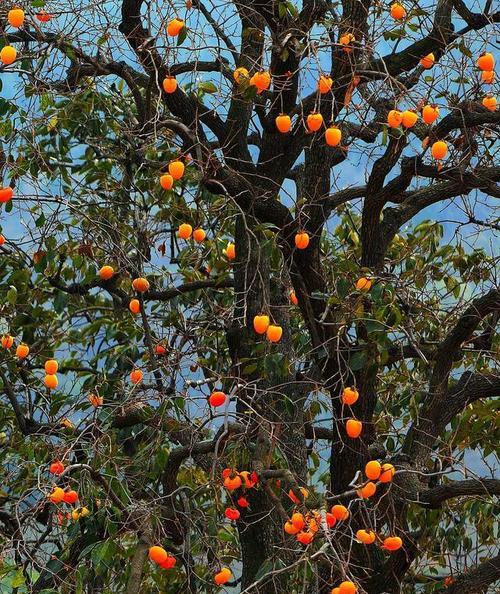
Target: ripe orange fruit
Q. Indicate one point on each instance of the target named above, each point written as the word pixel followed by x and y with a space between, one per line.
pixel 373 469
pixel 290 528
pixel 176 169
pixel 96 400
pixel 314 121
pixel 428 61
pixel 169 84
pixel 486 62
pixel 232 483
pixel 410 118
pixel 16 17
pixel 347 588
pixel 283 123
pixel 230 251
pixel 298 521
pixel 240 75
pixel 160 349
pixel 363 284
pixel 6 193
pixel 51 366
pixel 349 396
pixel 293 298
pixel 106 272
pixel 232 514
pixel 488 76
pixel 166 181
pixel 168 563
pixel 490 102
pixel 430 113
pixel 394 118
pixel 392 543
pixel 134 306
pixel 346 40
pixel 223 576
pixel 22 351
pixel 294 498
pixel 136 376
pixel 199 235
pixel 333 136
pixel 353 428
pixel 185 230
pixel 261 80
pixel 57 495
pixel 8 55
pixel 140 284
pixel 2 239
pixel 51 381
pixel 70 497
pixel 398 12
pixel 335 591
pixel 57 467
pixel 330 520
pixel 340 512
pixel 243 502
pixel 158 554
pixel 367 490
pixel 43 16
pixel 261 324
pixel 325 83
pixel 274 333
pixel 301 240
pixel 305 538
pixel 366 536
pixel 387 473
pixel 7 341
pixel 439 150
pixel 217 399
pixel 175 27
pixel 250 478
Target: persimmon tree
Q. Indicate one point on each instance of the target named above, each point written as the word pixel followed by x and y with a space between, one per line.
pixel 248 297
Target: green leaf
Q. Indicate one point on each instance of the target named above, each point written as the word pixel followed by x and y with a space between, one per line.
pixel 182 36
pixel 12 295
pixel 207 87
pixel 358 360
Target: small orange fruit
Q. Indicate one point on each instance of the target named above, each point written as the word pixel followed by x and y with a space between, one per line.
pixel 51 381
pixel 490 102
pixel 243 502
pixel 325 84
pixel 232 514
pixel 168 563
pixel 160 349
pixel 2 239
pixel 314 121
pixel 199 235
pixel 176 169
pixel 363 284
pixel 106 272
pixel 136 376
pixel 347 588
pixel 134 306
pixel 274 333
pixel 230 251
pixel 217 399
pixel 305 538
pixel 240 75
pixel 175 27
pixel 261 324
pixel 428 61
pixel 140 284
pixel 166 181
pixel 70 497
pixel 333 136
pixel 335 591
pixel 51 366
pixel 158 554
pixel 439 150
pixel 350 396
pixel 185 230
pixel 330 520
pixel 293 297
pixel 392 543
pixel 43 16
pixel 298 521
pixel 294 498
pixel 232 483
pixel 301 240
pixel 387 473
pixel 290 528
pixel 8 54
pixel 410 118
pixel 169 84
pixel 261 80
pixel 16 17
pixel 367 490
pixel 6 193
pixel 22 351
pixel 340 512
pixel 366 536
pixel 57 467
pixel 57 495
pixel 373 469
pixel 430 113
pixel 398 12
pixel 353 428
pixel 488 76
pixel 223 576
pixel 7 341
pixel 346 40
pixel 283 123
pixel 486 62
pixel 96 400
pixel 394 118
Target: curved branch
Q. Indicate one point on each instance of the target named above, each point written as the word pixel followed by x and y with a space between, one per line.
pixel 434 497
